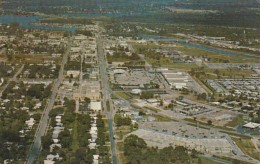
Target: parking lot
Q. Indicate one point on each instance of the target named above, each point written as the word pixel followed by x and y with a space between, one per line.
pixel 133 78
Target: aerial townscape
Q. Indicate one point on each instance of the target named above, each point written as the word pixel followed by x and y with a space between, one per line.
pixel 129 82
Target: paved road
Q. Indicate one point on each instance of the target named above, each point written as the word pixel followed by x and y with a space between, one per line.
pixel 36 146
pixel 14 78
pixel 106 96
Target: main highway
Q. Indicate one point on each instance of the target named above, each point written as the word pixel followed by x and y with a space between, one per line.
pixel 42 127
pixel 106 96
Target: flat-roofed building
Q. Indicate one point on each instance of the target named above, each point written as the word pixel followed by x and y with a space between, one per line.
pixel 90 89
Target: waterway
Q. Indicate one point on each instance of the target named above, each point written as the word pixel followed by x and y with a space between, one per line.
pixel 199 46
pixel 29 23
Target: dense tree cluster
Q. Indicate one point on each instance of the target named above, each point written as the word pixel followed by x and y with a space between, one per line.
pixel 257 117
pixel 69 153
pixel 12 145
pixel 4 69
pixel 101 140
pixel 75 65
pixel 120 52
pixel 85 32
pixel 40 71
pixel 84 126
pixel 67 20
pixel 38 91
pixel 146 95
pixel 122 121
pixel 136 151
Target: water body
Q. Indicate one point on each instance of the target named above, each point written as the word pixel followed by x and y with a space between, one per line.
pixel 199 46
pixel 29 22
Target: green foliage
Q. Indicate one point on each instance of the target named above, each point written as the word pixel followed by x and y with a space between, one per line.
pixel 40 71
pixel 83 155
pixel 202 96
pixel 137 151
pixel 85 32
pixel 67 20
pixel 65 138
pixel 122 121
pixel 84 125
pixel 46 141
pixel 4 70
pixel 101 137
pixel 146 95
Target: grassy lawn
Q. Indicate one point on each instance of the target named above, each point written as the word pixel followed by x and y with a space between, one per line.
pixel 122 158
pixel 162 118
pixel 226 73
pixel 236 121
pixel 165 62
pixel 202 85
pixel 108 105
pixel 191 51
pixel 123 95
pixel 195 121
pixel 123 128
pixel 204 161
pixel 247 147
pixel 75 142
pixel 206 124
pixel 152 109
pixel 120 146
pixel 121 134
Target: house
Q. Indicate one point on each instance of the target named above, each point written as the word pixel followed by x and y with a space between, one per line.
pixel 136 91
pixel 119 71
pixel 73 73
pixel 58 119
pixel 252 125
pixel 38 105
pixel 51 157
pixel 93 130
pixel 52 146
pixel 30 123
pixel 151 118
pixel 1 81
pixel 48 162
pixel 92 145
pixel 95 159
pixel 56 132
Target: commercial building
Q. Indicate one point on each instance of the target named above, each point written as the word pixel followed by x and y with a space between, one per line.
pixel 162 134
pixel 96 106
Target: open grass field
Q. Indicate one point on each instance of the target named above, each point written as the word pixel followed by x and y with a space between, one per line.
pixel 247 147
pixel 75 142
pixel 236 121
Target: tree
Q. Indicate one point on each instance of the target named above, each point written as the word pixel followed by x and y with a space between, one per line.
pixel 146 95
pixel 202 96
pixel 46 141
pixel 199 161
pixel 87 100
pixel 65 138
pixel 209 122
pixel 194 153
pixel 161 102
pixel 135 141
pixel 121 121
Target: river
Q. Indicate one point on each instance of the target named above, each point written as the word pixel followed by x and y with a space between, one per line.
pixel 199 46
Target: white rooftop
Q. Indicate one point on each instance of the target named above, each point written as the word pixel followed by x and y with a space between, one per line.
pixel 251 125
pixel 95 105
